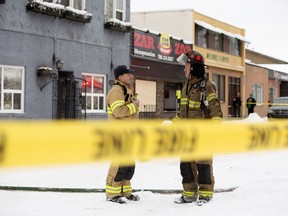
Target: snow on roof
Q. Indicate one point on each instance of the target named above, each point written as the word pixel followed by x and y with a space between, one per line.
pixel 221 31
pixel 252 49
pixel 276 67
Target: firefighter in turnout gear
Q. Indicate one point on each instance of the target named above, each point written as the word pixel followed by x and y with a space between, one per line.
pixel 121 104
pixel 198 101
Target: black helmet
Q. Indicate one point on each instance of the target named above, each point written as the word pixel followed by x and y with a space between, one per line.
pixel 192 57
pixel 195 58
pixel 197 63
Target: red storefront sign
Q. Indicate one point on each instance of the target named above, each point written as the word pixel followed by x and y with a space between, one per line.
pixel 161 47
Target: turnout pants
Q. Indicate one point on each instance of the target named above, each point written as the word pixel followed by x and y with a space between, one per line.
pixel 197 178
pixel 118 180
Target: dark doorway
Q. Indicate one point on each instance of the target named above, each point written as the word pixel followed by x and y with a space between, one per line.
pixel 283 89
pixel 234 86
pixel 69 96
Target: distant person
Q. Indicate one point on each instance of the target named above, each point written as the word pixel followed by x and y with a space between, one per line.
pixel 121 105
pixel 237 102
pixel 250 104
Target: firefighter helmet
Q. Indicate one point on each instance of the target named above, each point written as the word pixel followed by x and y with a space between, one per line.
pixel 195 58
pixel 192 57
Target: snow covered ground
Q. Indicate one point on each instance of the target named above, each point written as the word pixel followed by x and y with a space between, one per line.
pixel 261 179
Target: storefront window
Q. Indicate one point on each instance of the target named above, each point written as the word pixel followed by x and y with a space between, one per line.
pixel 94 85
pixel 219 81
pixel 11 89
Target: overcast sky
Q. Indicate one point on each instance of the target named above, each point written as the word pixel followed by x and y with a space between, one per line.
pixel 265 21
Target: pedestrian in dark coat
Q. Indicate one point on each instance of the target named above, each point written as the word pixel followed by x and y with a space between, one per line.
pixel 237 102
pixel 250 104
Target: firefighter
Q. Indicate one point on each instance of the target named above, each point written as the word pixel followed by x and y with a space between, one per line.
pixel 198 101
pixel 121 104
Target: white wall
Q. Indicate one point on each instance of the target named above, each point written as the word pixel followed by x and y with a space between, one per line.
pixel 175 23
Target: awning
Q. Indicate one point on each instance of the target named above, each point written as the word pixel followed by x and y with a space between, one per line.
pixel 221 31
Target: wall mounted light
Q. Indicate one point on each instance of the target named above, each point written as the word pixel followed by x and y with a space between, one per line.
pixel 59 64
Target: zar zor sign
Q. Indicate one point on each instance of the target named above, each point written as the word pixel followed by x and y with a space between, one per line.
pixel 161 47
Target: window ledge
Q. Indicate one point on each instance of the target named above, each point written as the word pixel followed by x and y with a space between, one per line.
pixel 59 10
pixel 77 15
pixel 117 25
pixel 46 8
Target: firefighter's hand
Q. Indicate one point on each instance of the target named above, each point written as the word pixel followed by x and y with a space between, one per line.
pixel 136 102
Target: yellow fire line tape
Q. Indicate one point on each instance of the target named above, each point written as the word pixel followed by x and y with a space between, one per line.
pixel 269 104
pixel 74 142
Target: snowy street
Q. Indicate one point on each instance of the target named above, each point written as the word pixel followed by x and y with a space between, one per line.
pixel 261 179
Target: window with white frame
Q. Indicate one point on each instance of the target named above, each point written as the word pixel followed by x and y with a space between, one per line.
pixel 115 9
pixel 95 87
pixel 257 91
pixel 11 89
pixel 77 4
pixel 119 11
pixel 272 94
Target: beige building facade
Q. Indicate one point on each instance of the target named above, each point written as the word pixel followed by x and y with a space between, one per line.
pixel 222 45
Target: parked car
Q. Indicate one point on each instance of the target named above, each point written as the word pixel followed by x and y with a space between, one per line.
pixel 279 108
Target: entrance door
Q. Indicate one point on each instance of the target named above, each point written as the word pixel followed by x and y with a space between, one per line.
pixel 234 87
pixel 283 89
pixel 67 96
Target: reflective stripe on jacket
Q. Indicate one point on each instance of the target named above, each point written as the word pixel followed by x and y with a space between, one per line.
pixel 117 107
pixel 190 102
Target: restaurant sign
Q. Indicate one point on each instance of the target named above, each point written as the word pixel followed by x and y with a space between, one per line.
pixel 160 46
